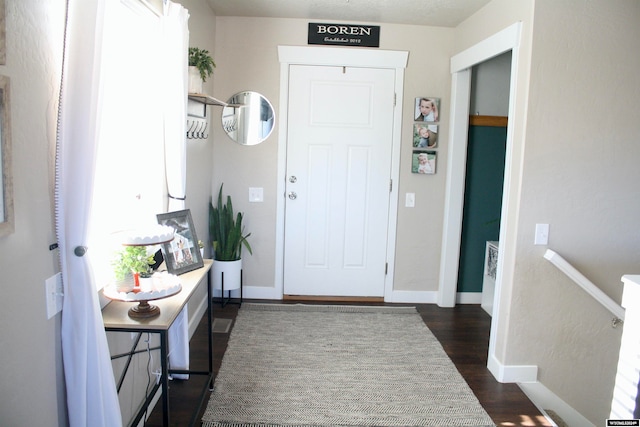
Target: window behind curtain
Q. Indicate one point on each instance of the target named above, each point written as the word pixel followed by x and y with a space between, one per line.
pixel 130 180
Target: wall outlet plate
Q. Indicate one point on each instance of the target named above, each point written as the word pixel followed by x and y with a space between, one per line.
pixel 256 194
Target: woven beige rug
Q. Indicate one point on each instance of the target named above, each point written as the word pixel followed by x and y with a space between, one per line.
pixel 309 365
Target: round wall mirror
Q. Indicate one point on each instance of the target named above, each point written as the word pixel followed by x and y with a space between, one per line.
pixel 248 118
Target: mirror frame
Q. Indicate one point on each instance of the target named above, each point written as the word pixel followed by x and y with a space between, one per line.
pixel 230 122
pixel 6 201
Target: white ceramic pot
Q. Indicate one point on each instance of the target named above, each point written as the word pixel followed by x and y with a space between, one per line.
pixel 231 270
pixel 195 81
pixel 126 284
pixel 146 284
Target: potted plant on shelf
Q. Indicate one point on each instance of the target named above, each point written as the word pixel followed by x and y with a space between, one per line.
pixel 227 237
pixel 201 66
pixel 129 264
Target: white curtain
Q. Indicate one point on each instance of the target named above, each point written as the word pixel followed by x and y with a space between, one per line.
pixel 176 45
pixel 92 398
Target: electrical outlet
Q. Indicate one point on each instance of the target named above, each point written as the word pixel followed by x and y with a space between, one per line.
pixel 53 294
pixel 256 194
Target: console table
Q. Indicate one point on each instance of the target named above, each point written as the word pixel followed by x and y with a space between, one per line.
pixel 116 318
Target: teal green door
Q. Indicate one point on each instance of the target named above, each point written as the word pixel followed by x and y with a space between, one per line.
pixel 482 202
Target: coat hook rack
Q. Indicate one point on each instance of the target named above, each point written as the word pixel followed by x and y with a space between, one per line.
pixel 197 128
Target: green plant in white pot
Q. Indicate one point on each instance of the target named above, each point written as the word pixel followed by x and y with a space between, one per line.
pixel 201 66
pixel 128 263
pixel 227 237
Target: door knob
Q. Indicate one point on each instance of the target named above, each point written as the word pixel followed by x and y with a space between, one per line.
pixel 292 195
pixel 293 179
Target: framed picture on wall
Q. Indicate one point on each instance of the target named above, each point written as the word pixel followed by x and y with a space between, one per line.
pixel 427 109
pixel 425 135
pixel 182 254
pixel 424 162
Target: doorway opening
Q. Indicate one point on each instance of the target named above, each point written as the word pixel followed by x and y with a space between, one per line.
pixel 461 64
pixel 484 177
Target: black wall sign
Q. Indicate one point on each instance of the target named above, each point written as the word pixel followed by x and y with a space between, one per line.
pixel 344 35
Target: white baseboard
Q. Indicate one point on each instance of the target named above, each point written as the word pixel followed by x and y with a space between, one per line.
pixel 271 293
pixel 468 297
pixel 431 297
pixel 512 373
pixel 401 297
pixel 545 399
pixel 412 297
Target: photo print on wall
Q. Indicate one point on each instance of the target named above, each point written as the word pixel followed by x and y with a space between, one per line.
pixel 424 162
pixel 427 109
pixel 425 135
pixel 426 117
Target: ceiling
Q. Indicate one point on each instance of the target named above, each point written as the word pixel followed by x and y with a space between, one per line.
pixel 438 13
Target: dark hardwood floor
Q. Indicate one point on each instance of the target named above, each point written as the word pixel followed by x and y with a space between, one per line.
pixel 463 332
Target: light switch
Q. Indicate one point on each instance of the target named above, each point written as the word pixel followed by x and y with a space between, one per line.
pixel 53 294
pixel 542 234
pixel 256 194
pixel 410 200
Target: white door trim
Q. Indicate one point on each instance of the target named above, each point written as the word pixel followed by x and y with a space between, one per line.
pixel 503 41
pixel 329 56
pixel 461 64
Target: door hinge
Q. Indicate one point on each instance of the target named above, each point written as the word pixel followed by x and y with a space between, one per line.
pixel 390 185
pixel 395 95
pixel 386 268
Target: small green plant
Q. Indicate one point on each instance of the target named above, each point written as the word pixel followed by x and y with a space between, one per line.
pixel 201 59
pixel 226 232
pixel 130 260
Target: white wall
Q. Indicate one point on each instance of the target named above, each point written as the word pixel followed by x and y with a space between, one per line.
pixel 575 170
pixel 200 151
pixel 580 175
pixel 202 31
pixel 246 53
pixel 31 356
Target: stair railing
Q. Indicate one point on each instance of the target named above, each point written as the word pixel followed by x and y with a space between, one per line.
pixel 571 272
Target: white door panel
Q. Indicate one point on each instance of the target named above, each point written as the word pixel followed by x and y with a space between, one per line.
pixel 339 151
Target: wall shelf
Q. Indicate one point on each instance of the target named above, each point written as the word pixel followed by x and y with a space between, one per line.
pixel 206 99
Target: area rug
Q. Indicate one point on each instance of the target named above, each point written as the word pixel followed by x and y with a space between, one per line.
pixel 310 365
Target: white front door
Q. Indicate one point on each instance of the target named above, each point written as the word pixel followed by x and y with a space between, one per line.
pixel 338 173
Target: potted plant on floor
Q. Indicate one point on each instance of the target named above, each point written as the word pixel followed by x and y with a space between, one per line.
pixel 201 66
pixel 227 237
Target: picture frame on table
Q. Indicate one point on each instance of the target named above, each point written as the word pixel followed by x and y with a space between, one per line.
pixel 182 254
